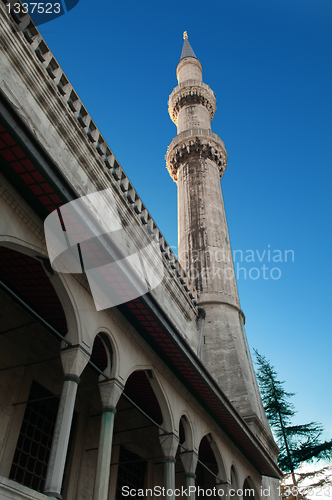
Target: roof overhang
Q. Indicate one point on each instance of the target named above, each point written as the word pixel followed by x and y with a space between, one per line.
pixel 144 313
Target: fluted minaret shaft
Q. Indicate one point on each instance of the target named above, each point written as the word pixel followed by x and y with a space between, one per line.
pixel 196 159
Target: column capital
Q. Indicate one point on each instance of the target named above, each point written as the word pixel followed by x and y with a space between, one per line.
pixel 110 393
pixel 169 460
pixel 169 443
pixel 74 359
pixel 189 462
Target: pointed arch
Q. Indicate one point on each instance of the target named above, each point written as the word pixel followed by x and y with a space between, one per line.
pixel 209 437
pixel 111 344
pixel 210 455
pixel 102 353
pixel 29 275
pixel 145 390
pixel 249 489
pixel 186 432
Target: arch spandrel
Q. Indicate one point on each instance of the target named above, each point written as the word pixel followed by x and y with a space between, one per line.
pixel 233 476
pixel 19 228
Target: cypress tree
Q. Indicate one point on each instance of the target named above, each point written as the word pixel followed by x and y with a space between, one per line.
pixel 297 443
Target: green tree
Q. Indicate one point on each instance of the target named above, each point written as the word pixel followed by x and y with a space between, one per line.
pixel 297 443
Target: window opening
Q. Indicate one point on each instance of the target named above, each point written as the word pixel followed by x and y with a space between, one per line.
pixel 131 471
pixel 34 443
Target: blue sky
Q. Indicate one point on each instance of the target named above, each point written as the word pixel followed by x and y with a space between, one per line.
pixel 269 64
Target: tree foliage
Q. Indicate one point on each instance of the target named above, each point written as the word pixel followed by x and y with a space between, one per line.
pixel 308 482
pixel 297 443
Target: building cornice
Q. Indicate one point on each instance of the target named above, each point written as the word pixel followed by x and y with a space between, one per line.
pixel 57 98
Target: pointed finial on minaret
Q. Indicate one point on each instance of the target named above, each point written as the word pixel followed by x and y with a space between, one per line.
pixel 187 51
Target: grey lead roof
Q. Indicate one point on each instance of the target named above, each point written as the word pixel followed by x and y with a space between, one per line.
pixel 187 51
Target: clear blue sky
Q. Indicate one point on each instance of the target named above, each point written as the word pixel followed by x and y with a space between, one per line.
pixel 269 63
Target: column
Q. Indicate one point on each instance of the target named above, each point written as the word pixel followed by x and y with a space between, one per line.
pixel 226 488
pixel 169 477
pixel 169 444
pixel 74 361
pixel 189 462
pixel 110 392
pixel 191 484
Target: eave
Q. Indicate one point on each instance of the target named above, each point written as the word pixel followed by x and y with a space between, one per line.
pixel 143 313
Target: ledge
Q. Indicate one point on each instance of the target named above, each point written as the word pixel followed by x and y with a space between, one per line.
pixel 14 491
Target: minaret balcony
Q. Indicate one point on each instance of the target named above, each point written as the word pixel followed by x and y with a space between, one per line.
pixel 189 93
pixel 202 143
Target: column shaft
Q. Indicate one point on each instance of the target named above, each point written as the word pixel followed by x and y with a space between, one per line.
pixel 60 441
pixel 226 488
pixel 190 485
pixel 169 478
pixel 104 454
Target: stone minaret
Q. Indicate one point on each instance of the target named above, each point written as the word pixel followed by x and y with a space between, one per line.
pixel 196 160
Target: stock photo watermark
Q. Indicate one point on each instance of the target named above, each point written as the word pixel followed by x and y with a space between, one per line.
pixel 225 265
pixel 272 257
pixel 39 12
pixel 229 492
pixel 121 261
pixel 160 491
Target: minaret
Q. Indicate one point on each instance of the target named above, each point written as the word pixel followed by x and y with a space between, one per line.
pixel 196 160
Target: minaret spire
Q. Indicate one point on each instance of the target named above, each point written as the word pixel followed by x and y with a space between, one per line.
pixel 187 51
pixel 196 160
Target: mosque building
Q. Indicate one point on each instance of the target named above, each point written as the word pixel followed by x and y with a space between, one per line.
pixel 124 370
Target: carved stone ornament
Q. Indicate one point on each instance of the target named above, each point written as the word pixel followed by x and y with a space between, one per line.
pixel 191 95
pixel 199 147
